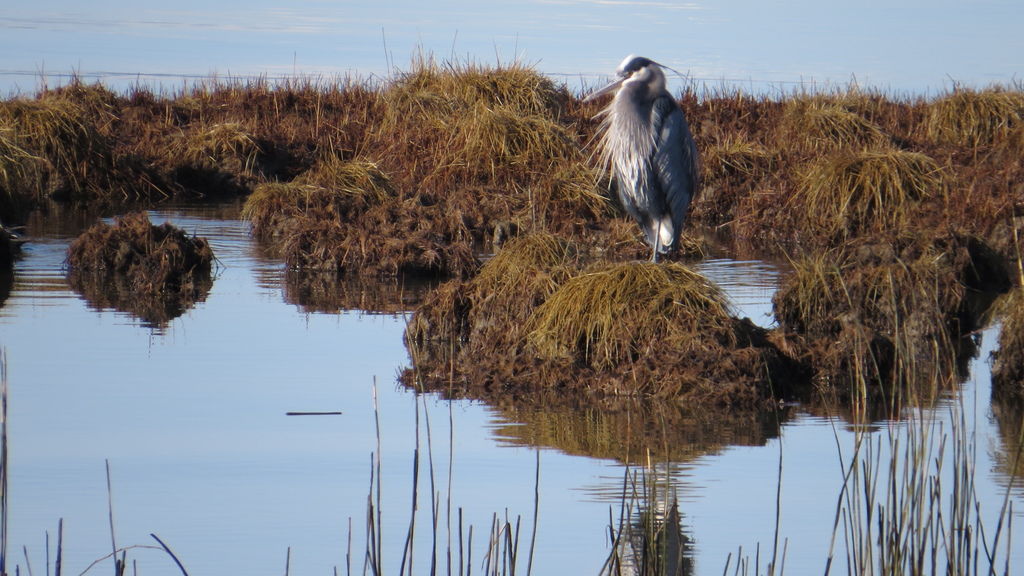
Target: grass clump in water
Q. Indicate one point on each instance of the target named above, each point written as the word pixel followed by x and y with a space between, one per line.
pixel 154 257
pixel 533 324
pixel 153 272
pixel 879 318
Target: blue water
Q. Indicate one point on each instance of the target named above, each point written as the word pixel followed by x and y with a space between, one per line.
pixel 191 417
pixel 914 46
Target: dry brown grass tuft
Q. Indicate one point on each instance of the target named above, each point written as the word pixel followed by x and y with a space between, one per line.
pixel 491 309
pixel 503 136
pixel 58 130
pixel 609 317
pixel 854 193
pixel 823 123
pixel 218 145
pixel 22 177
pixel 975 118
pixel 736 155
pixel 430 90
pixel 362 181
pixel 525 262
pixel 334 191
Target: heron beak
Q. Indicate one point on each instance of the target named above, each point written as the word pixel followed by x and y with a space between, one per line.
pixel 606 90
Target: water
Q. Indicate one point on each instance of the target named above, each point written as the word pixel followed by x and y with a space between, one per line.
pixel 919 46
pixel 191 417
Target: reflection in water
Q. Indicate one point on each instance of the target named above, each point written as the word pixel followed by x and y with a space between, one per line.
pixel 750 285
pixel 6 284
pixel 154 309
pixel 634 431
pixel 649 538
pixel 315 291
pixel 1009 451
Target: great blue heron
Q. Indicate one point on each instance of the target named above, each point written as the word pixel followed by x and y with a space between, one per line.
pixel 648 146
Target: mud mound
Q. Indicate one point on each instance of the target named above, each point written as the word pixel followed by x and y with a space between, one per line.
pixel 344 217
pixel 551 326
pixel 153 272
pixel 879 318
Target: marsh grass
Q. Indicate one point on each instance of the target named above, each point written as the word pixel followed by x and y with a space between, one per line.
pixel 527 261
pixel 20 171
pixel 451 544
pixel 333 191
pixel 909 503
pixel 430 89
pixel 221 144
pixel 819 123
pixel 490 310
pixel 363 181
pixel 648 539
pixel 613 315
pixel 858 193
pixel 502 136
pixel 884 323
pixel 737 155
pixel 59 131
pixel 973 118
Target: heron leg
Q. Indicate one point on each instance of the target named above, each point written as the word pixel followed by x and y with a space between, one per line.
pixel 657 244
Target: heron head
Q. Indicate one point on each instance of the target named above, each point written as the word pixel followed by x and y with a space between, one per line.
pixel 634 69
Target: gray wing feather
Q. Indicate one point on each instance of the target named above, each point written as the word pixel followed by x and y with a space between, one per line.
pixel 674 159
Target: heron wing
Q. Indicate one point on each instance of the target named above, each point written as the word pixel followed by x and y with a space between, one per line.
pixel 674 159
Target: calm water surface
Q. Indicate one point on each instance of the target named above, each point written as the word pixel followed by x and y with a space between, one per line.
pixel 191 416
pixel 917 46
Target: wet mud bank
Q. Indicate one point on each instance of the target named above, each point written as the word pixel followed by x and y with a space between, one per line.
pixel 902 217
